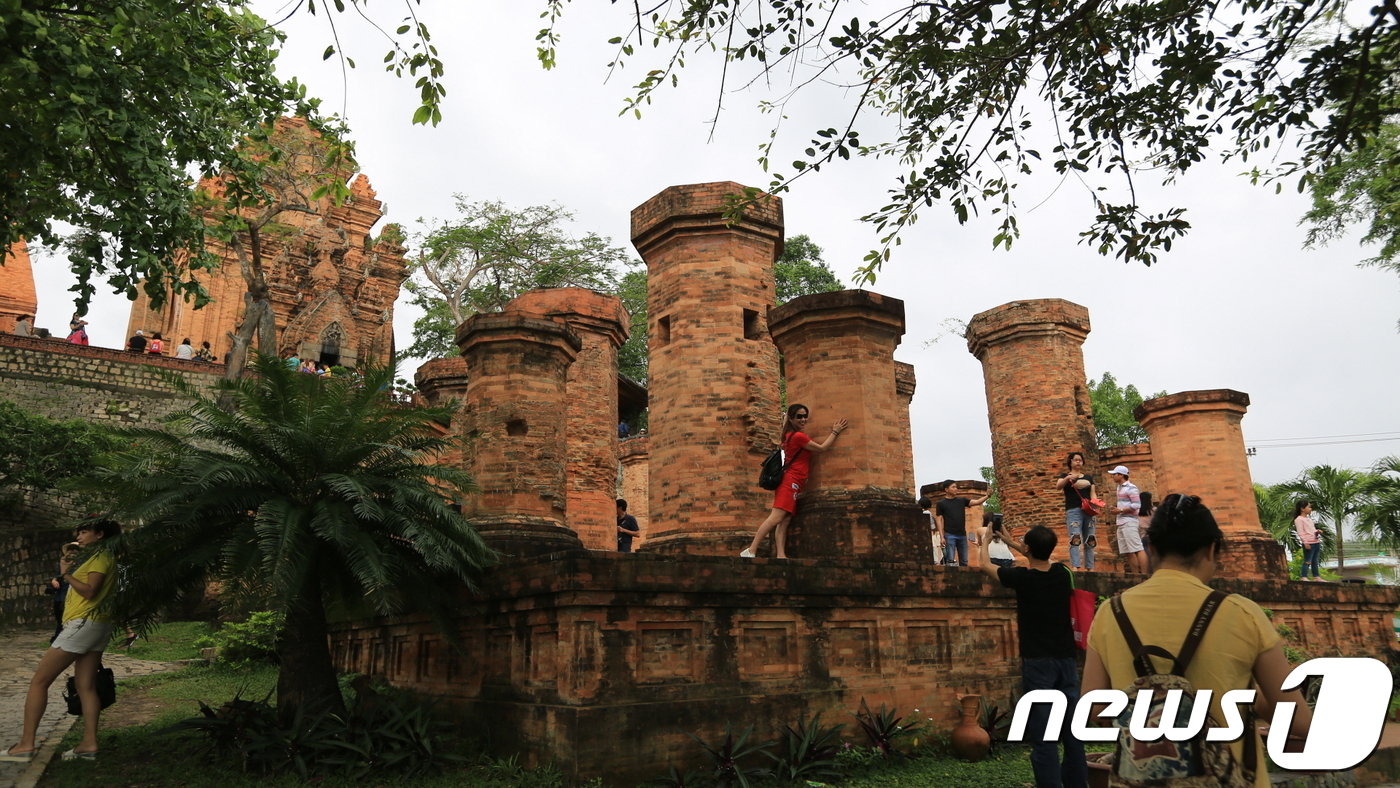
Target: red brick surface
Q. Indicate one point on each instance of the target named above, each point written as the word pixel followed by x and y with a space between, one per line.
pixel 17 289
pixel 513 424
pixel 1037 406
pixel 904 385
pixel 713 370
pixel 590 481
pixel 1198 449
pixel 636 482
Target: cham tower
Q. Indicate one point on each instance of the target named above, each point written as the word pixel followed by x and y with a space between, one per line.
pixel 713 369
pixel 17 296
pixel 1038 408
pixel 332 284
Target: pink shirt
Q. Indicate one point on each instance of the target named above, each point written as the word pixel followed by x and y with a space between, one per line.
pixel 1307 532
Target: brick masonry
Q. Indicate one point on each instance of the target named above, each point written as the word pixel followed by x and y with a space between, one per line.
pixel 1198 448
pixel 636 482
pixel 1037 406
pixel 17 295
pixel 590 480
pixel 838 360
pixel 513 426
pixel 713 370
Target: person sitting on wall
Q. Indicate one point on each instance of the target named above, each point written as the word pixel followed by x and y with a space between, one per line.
pixel 627 528
pixel 137 343
pixel 185 350
pixel 205 354
pixel 77 330
pixel 156 346
pixel 951 514
pixel 935 536
pixel 1046 642
pixel 24 326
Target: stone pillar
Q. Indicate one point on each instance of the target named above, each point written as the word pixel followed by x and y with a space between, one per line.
pixel 590 480
pixel 838 357
pixel 514 425
pixel 636 467
pixel 904 383
pixel 712 371
pixel 1198 449
pixel 1038 408
pixel 17 296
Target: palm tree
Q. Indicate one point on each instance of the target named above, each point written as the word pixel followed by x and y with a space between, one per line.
pixel 1336 494
pixel 314 496
pixel 1381 519
pixel 1275 507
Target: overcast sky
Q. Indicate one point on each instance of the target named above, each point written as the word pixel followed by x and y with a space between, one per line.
pixel 1239 304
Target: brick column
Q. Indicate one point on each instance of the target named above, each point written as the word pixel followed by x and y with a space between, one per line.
pixel 590 481
pixel 713 370
pixel 442 382
pixel 838 357
pixel 514 424
pixel 904 384
pixel 1138 458
pixel 1198 449
pixel 17 295
pixel 1037 406
pixel 636 466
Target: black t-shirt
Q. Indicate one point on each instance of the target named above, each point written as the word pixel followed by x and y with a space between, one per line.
pixel 624 541
pixel 1072 500
pixel 137 343
pixel 954 514
pixel 1042 609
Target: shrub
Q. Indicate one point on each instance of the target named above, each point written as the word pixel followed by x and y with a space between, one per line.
pixel 253 640
pixel 883 728
pixel 807 752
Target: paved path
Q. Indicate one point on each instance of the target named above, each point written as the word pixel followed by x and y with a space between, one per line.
pixel 19 653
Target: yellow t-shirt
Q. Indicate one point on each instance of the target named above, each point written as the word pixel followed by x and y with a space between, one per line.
pixel 1162 609
pixel 75 605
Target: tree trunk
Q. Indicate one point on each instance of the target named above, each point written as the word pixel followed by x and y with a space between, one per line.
pixel 306 679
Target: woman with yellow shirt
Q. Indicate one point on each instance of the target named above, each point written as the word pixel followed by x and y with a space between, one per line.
pixel 81 643
pixel 1239 649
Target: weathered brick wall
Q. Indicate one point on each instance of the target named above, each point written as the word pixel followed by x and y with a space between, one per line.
pixel 636 483
pixel 590 481
pixel 1037 405
pixel 443 382
pixel 1198 448
pixel 1137 457
pixel 904 385
pixel 713 370
pixel 62 381
pixel 17 295
pixel 838 358
pixel 513 424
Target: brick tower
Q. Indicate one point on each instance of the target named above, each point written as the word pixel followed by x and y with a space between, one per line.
pixel 514 424
pixel 1038 407
pixel 591 479
pixel 713 370
pixel 838 357
pixel 904 385
pixel 1198 449
pixel 17 295
pixel 332 283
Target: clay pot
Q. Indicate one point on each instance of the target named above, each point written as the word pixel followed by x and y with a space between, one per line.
pixel 969 740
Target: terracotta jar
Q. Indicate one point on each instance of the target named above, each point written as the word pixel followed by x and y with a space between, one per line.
pixel 970 740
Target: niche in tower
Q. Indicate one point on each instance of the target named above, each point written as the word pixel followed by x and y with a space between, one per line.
pixel 330 345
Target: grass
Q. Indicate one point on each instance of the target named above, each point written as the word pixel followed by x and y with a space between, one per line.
pixel 1010 767
pixel 169 642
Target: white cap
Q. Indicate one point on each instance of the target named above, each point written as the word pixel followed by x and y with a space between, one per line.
pixel 1121 469
pixel 139 332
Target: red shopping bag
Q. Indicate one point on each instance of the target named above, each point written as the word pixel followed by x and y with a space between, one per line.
pixel 1081 612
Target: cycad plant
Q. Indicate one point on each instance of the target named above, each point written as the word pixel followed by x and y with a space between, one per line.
pixel 314 496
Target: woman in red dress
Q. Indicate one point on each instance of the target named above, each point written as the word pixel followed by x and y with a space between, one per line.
pixel 797 459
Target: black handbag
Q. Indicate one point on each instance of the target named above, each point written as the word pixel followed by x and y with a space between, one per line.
pixel 106 691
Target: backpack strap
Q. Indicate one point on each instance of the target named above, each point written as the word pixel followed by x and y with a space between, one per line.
pixel 1197 631
pixel 1141 661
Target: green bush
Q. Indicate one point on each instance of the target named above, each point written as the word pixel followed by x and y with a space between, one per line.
pixel 253 640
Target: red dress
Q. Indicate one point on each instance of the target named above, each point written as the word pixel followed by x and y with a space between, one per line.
pixel 799 460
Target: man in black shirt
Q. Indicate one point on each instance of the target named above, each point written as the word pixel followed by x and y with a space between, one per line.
pixel 1047 650
pixel 950 517
pixel 627 527
pixel 137 343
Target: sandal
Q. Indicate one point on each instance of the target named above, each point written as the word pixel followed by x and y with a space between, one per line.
pixel 74 755
pixel 16 757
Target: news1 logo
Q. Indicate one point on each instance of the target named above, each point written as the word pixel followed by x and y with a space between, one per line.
pixel 1346 726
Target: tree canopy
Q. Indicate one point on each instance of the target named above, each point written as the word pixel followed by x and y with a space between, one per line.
pixel 308 496
pixel 982 94
pixel 1113 412
pixel 112 105
pixel 491 253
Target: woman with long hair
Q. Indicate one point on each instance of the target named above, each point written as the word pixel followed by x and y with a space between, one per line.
pixel 1309 537
pixel 1239 646
pixel 81 642
pixel 797 465
pixel 1078 487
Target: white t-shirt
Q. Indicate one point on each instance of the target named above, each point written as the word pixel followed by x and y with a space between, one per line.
pixel 184 351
